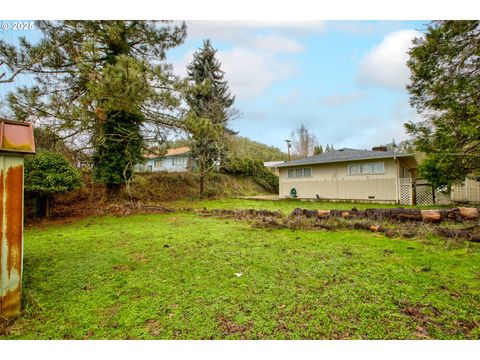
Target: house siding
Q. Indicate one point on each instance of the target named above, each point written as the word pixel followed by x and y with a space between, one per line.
pixel 167 164
pixel 332 181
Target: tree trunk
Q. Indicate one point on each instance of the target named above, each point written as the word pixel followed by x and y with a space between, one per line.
pixel 46 205
pixel 202 185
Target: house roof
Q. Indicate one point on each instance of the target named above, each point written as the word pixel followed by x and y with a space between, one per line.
pixel 345 154
pixel 170 152
pixel 272 163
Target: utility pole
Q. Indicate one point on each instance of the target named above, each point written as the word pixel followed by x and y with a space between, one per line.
pixel 289 145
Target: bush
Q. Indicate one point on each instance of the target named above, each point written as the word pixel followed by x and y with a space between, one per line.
pixel 252 168
pixel 48 173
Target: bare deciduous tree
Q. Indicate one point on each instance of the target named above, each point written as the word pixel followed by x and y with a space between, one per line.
pixel 303 142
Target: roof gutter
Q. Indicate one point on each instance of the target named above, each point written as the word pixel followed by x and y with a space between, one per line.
pixel 345 160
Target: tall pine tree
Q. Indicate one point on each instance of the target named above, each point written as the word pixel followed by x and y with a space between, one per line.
pixel 209 101
pixel 212 98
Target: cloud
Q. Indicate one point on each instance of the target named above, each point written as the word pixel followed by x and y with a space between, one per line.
pixel 275 44
pixel 248 71
pixel 336 100
pixel 385 65
pixel 236 30
pixel 251 51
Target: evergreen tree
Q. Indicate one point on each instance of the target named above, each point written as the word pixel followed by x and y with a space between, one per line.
pixel 206 141
pixel 209 102
pixel 212 98
pixel 444 88
pixel 327 149
pixel 317 150
pixel 101 82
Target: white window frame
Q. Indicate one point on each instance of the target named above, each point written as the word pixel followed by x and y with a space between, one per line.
pixel 294 176
pixel 179 161
pixel 370 164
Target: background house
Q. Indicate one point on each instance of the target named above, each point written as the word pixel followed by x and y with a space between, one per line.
pixel 174 160
pixel 348 174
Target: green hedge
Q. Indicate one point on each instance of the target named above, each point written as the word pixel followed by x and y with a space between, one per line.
pixel 254 169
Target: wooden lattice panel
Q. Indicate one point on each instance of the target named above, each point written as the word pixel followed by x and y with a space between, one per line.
pixel 423 193
pixel 406 191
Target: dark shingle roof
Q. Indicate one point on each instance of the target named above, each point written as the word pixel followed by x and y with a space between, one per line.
pixel 344 155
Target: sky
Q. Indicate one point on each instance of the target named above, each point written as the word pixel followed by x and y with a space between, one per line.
pixel 344 80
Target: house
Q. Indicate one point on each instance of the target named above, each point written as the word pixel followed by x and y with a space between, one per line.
pixel 174 160
pixel 348 174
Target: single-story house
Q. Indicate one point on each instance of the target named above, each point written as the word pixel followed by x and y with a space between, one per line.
pixel 175 160
pixel 347 174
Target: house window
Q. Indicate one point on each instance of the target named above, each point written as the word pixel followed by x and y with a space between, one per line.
pixel 378 168
pixel 158 163
pixel 178 161
pixel 299 172
pixel 366 169
pixel 354 169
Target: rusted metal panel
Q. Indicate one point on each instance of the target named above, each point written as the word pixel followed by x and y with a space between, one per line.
pixel 11 258
pixel 16 137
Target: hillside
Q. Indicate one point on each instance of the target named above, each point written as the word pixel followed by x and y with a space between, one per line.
pixel 163 186
pixel 244 148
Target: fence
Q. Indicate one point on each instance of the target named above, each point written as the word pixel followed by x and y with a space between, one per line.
pixel 468 192
pixel 421 192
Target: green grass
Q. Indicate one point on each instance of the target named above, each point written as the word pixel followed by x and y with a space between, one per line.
pixel 173 277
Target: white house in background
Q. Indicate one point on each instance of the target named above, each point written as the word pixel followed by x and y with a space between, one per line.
pixel 175 160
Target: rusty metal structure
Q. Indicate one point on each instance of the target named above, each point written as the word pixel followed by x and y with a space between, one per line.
pixel 16 140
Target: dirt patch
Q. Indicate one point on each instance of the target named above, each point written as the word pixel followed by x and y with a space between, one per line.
pixel 423 315
pixel 153 327
pixel 229 327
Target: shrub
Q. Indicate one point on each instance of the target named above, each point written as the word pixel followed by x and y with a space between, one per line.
pixel 251 168
pixel 48 173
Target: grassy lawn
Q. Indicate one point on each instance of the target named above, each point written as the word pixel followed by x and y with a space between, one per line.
pixel 173 277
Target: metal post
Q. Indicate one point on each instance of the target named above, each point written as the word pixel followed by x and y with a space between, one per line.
pixel 16 139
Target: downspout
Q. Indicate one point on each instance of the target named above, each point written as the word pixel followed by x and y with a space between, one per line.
pixel 397 179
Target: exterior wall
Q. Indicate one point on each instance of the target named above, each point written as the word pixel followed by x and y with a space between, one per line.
pixel 11 225
pixel 332 181
pixel 167 164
